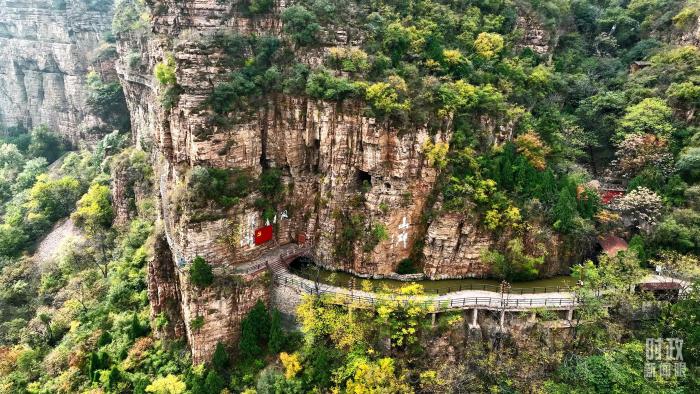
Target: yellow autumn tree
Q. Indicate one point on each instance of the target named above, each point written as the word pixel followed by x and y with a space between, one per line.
pixel 170 384
pixel 291 364
pixel 488 45
pixel 534 149
pixel 436 154
pixel 377 377
pixel 319 318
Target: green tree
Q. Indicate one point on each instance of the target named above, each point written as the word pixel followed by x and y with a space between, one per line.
pixel 213 384
pixel 45 143
pixel 220 360
pixel 650 116
pixel 322 85
pixel 53 198
pixel 277 336
pixel 94 216
pixel 165 71
pixel 113 378
pixel 255 329
pixel 300 24
pixel 683 320
pixel 389 97
pixel 514 264
pixel 94 209
pixel 488 45
pixel 136 330
pixel 564 211
pixel 201 274
pixel 689 164
pixel 31 171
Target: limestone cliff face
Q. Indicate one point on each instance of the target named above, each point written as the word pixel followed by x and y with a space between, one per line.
pixel 46 47
pixel 337 165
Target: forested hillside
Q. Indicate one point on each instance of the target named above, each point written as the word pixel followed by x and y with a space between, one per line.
pixel 516 136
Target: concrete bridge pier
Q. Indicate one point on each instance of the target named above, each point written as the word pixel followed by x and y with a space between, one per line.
pixel 432 323
pixel 502 319
pixel 570 314
pixel 474 324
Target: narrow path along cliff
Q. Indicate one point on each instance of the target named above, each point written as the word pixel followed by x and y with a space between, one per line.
pixel 279 259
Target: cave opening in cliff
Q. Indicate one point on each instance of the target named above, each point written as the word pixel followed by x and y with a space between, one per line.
pixel 363 179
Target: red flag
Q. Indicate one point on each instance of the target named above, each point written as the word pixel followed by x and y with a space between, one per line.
pixel 262 235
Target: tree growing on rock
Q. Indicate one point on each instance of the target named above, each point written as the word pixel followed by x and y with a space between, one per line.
pixel 201 274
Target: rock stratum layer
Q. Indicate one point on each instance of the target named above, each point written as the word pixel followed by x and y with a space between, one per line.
pixel 46 47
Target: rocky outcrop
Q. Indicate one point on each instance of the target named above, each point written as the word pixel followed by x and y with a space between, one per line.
pixel 164 290
pixel 534 35
pixel 45 50
pixel 220 308
pixel 453 247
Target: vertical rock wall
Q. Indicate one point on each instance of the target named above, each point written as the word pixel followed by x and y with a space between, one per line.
pixel 45 50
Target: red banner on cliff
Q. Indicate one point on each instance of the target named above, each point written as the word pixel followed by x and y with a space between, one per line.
pixel 262 235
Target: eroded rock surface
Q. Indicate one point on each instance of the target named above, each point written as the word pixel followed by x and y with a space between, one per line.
pixel 46 47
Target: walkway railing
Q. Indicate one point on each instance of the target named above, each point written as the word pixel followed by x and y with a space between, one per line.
pixel 495 289
pixel 281 260
pixel 362 299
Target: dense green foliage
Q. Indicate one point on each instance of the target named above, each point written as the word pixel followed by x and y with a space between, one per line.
pixel 201 273
pixel 610 92
pixel 77 316
pixel 107 101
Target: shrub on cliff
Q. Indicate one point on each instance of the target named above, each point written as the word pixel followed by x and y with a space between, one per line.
pixel 324 86
pixel 201 274
pixel 106 99
pixel 301 25
pixel 225 187
pixel 515 264
pixel 259 6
